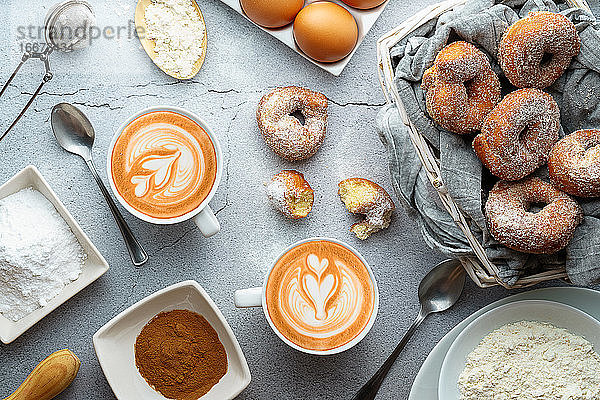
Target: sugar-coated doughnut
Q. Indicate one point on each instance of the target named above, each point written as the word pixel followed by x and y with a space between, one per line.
pixel 537 49
pixel 461 88
pixel 518 134
pixel 362 196
pixel 513 223
pixel 574 163
pixel 284 133
pixel 290 193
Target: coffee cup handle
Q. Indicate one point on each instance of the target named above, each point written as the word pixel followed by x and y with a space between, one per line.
pixel 207 222
pixel 248 297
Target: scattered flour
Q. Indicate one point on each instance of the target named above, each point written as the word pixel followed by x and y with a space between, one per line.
pixel 531 360
pixel 39 254
pixel 178 33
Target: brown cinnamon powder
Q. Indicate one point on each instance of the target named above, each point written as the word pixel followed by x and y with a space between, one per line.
pixel 179 354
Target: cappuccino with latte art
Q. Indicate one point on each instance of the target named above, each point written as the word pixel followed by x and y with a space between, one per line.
pixel 320 295
pixel 163 164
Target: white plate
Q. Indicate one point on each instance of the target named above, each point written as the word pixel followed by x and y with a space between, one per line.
pixel 425 386
pixel 365 20
pixel 94 266
pixel 114 343
pixel 557 314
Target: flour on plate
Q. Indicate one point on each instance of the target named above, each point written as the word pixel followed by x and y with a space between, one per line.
pixel 178 33
pixel 531 360
pixel 39 254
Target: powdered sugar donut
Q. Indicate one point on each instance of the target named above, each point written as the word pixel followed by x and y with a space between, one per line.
pixel 290 193
pixel 461 88
pixel 537 49
pixel 284 133
pixel 574 163
pixel 518 134
pixel 512 223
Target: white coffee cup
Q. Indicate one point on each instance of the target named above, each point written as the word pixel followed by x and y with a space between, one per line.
pixel 257 297
pixel 203 216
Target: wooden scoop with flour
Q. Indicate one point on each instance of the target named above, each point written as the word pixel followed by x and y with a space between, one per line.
pixel 148 44
pixel 49 378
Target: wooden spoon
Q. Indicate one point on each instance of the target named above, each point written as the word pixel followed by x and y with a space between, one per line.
pixel 49 378
pixel 148 44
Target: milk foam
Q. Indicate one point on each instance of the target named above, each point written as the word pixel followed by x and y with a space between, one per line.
pixel 165 163
pixel 320 299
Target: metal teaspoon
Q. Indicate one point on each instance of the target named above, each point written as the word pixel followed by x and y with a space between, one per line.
pixel 438 291
pixel 75 134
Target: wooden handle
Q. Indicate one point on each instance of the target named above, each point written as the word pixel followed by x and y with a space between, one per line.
pixel 50 377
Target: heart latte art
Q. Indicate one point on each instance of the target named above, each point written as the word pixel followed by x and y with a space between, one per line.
pixel 164 164
pixel 320 295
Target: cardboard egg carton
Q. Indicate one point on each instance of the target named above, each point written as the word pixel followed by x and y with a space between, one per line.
pixel 364 18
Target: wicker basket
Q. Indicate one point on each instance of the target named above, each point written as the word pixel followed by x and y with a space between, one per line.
pixel 483 272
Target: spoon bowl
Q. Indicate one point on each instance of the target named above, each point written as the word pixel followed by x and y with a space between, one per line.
pixel 73 130
pixel 442 286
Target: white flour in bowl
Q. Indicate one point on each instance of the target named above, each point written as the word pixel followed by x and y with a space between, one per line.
pixel 39 254
pixel 530 360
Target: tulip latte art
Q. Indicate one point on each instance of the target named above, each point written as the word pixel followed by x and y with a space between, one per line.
pixel 164 164
pixel 320 295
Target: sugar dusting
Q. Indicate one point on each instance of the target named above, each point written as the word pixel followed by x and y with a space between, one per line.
pixel 282 132
pixel 513 224
pixel 518 134
pixel 288 188
pixel 461 88
pixel 276 194
pixel 528 41
pixel 574 163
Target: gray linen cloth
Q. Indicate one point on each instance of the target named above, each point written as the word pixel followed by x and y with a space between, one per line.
pixel 483 22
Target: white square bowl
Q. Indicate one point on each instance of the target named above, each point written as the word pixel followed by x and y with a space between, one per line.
pixel 95 265
pixel 115 341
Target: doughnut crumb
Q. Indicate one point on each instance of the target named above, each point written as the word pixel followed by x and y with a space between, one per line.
pixel 361 196
pixel 291 194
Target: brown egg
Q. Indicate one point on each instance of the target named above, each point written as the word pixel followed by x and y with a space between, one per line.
pixel 272 13
pixel 364 4
pixel 325 31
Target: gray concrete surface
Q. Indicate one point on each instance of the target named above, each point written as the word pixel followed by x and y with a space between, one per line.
pixel 115 78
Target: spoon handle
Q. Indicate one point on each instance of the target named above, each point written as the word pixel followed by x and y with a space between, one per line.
pixel 49 378
pixel 370 389
pixel 137 253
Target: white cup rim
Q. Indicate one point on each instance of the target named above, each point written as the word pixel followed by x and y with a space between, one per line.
pixel 218 154
pixel 358 337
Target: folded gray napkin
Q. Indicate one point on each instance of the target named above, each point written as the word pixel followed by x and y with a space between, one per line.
pixel 482 22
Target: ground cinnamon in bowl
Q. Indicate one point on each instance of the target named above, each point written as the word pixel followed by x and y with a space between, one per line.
pixel 180 355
